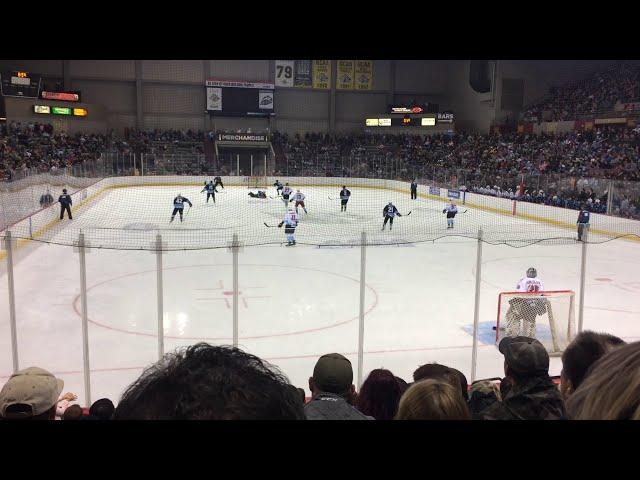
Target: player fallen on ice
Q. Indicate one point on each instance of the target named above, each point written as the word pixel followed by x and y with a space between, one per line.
pixel 286 192
pixel 389 212
pixel 522 312
pixel 218 181
pixel 299 199
pixel 278 186
pixel 65 204
pixel 290 223
pixel 210 188
pixel 344 198
pixel 451 211
pixel 260 194
pixel 414 189
pixel 178 206
pixel 583 221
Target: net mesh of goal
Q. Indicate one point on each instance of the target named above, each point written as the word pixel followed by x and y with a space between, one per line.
pixel 256 182
pixel 547 316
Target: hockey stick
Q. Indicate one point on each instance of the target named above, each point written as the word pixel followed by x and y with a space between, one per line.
pixel 334 198
pixel 270 226
pixel 188 210
pixel 408 213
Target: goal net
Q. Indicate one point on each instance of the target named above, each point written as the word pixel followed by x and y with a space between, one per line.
pixel 256 182
pixel 547 316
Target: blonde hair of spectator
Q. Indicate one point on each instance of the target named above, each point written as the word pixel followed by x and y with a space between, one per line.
pixel 432 400
pixel 611 390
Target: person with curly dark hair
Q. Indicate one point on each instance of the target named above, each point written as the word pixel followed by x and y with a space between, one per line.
pixel 207 382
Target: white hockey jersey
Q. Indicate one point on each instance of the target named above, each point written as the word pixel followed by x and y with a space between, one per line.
pixel 527 284
pixel 291 219
pixel 287 190
pixel 299 197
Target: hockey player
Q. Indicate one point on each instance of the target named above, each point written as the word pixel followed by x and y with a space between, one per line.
pixel 344 198
pixel 218 181
pixel 286 192
pixel 451 211
pixel 210 188
pixel 290 222
pixel 414 189
pixel 178 206
pixel 260 194
pixel 522 312
pixel 65 204
pixel 278 186
pixel 583 221
pixel 299 199
pixel 46 199
pixel 389 212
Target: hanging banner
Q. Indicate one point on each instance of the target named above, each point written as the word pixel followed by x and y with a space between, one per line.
pixel 364 74
pixel 214 98
pixel 345 72
pixel 284 73
pixel 302 77
pixel 322 74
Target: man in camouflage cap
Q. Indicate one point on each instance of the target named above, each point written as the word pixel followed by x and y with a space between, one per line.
pixel 531 394
pixel 30 394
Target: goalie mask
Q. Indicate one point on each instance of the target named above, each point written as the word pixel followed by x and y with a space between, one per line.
pixel 532 273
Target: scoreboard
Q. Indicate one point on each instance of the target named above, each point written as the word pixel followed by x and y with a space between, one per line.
pixel 240 99
pixel 19 84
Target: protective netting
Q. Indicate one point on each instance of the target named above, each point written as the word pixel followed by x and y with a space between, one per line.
pixel 128 212
pixel 546 316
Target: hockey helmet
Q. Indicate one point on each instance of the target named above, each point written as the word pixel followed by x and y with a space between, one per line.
pixel 64 190
pixel 532 273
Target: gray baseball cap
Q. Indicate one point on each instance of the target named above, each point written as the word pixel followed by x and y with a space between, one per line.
pixel 32 386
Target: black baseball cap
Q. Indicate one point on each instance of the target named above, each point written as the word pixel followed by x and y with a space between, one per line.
pixel 333 373
pixel 524 355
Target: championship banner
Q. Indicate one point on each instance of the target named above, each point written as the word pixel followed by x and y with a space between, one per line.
pixel 364 74
pixel 214 98
pixel 302 77
pixel 284 73
pixel 322 74
pixel 345 73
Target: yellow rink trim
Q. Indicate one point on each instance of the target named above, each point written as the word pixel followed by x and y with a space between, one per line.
pixel 501 211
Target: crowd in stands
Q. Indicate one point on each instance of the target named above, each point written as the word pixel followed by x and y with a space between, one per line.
pixel 599 92
pixel 474 160
pixel 600 380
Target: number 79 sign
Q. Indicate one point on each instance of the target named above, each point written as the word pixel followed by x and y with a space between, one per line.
pixel 284 73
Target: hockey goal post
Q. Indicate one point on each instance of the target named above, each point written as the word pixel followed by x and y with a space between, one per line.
pixel 256 181
pixel 548 316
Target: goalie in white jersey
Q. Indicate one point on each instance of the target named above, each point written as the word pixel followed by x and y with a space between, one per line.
pixel 522 312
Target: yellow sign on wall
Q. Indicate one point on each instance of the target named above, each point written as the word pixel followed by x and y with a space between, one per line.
pixel 345 75
pixel 322 74
pixel 364 74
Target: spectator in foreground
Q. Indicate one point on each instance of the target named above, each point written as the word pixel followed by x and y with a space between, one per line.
pixel 483 394
pixel 206 382
pixel 531 394
pixel 611 389
pixel 74 412
pixel 441 372
pixel 30 394
pixel 432 400
pixel 585 349
pixel 102 409
pixel 380 395
pixel 332 390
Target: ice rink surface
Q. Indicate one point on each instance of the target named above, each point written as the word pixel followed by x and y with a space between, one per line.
pixel 295 303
